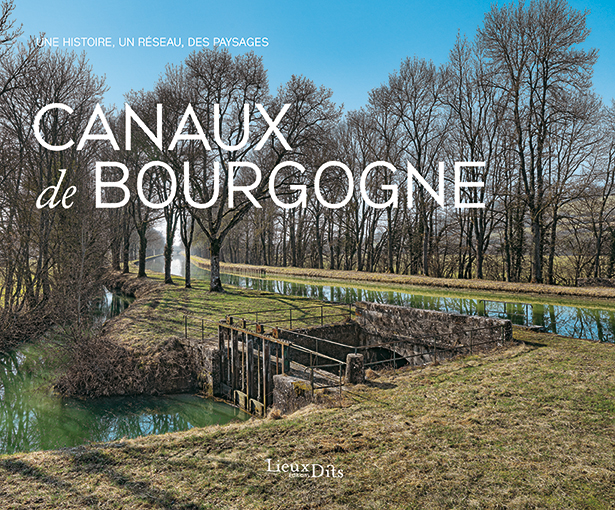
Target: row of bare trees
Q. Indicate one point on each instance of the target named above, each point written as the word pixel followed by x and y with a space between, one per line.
pixel 517 97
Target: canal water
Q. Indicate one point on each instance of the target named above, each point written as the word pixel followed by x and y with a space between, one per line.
pixel 575 321
pixel 32 418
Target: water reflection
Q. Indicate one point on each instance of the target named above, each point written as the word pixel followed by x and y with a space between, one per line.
pixel 109 305
pixel 577 322
pixel 31 418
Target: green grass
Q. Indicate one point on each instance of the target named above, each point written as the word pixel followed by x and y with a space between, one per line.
pixel 532 426
pixel 160 310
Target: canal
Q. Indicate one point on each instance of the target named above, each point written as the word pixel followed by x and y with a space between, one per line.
pixel 33 418
pixel 587 322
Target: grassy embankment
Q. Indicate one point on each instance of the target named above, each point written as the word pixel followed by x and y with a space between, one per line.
pixel 144 350
pixel 159 311
pixel 488 289
pixel 529 426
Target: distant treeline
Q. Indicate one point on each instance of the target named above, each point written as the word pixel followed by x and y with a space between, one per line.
pixel 517 96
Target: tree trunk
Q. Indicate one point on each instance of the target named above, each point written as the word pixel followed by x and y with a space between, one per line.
pixel 293 247
pixel 187 271
pixel 215 284
pixel 551 261
pixel 390 241
pixel 168 256
pixel 480 240
pixel 598 250
pixel 263 239
pixel 507 257
pixel 425 247
pixel 536 250
pixel 126 246
pixel 116 247
pixel 611 253
pixel 186 232
pixel 284 252
pixel 319 243
pixel 142 249
pixel 599 241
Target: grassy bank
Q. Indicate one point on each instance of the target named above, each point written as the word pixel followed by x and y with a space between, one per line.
pixel 495 288
pixel 152 346
pixel 530 426
pixel 160 310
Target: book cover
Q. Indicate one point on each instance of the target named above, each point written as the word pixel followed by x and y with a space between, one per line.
pixel 311 255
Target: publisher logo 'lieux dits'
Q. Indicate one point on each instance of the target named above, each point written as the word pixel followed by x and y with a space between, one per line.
pixel 301 470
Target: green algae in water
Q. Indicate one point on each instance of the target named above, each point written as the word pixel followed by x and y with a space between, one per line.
pixel 31 418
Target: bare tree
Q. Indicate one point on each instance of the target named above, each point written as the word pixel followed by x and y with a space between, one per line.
pixel 417 92
pixel 534 54
pixel 476 113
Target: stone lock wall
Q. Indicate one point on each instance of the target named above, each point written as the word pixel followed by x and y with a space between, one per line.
pixel 348 334
pixel 452 333
pixel 446 334
pixel 377 333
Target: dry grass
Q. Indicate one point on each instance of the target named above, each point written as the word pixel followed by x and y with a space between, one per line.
pixel 532 426
pixel 601 293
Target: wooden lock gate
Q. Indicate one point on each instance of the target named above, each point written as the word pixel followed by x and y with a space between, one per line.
pixel 249 361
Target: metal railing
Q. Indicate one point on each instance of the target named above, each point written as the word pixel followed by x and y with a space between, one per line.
pixel 292 317
pixel 252 352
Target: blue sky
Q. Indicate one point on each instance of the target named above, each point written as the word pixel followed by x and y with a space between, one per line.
pixel 350 47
